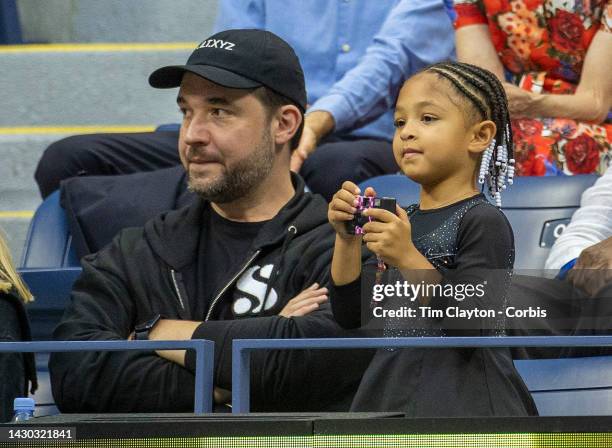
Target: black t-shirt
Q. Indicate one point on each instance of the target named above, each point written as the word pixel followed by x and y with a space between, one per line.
pixel 224 245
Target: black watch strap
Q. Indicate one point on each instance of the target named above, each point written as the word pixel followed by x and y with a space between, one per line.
pixel 141 332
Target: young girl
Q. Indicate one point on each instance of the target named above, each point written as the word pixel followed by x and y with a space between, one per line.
pixel 452 132
pixel 16 369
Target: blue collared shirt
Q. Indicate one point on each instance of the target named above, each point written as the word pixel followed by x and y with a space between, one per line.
pixel 355 53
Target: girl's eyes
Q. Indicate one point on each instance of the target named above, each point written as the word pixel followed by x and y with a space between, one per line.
pixel 399 123
pixel 428 118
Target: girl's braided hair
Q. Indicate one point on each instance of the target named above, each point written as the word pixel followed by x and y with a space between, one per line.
pixel 487 97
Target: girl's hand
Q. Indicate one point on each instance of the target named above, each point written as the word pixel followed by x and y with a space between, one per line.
pixel 342 208
pixel 389 236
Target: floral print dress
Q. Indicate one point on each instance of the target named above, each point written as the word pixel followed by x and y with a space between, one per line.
pixel 542 45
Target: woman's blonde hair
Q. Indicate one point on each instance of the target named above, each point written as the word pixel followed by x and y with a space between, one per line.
pixel 8 276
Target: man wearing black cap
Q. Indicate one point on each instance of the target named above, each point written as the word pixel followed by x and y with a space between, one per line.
pixel 224 267
pixel 355 55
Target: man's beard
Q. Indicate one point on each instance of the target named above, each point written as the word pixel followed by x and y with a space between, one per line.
pixel 239 180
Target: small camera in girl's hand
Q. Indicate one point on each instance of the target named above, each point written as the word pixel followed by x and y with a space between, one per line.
pixel 355 226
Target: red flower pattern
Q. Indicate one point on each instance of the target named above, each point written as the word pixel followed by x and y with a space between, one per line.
pixel 528 163
pixel 527 128
pixel 564 38
pixel 566 31
pixel 582 154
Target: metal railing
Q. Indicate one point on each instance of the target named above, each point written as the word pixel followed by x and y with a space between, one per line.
pixel 242 348
pixel 204 363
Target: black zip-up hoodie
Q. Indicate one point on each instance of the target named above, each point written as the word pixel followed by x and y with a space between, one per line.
pixel 153 270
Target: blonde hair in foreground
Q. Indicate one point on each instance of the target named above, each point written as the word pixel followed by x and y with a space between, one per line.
pixel 8 276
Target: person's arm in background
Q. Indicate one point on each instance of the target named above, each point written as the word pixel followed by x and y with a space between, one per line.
pixel 593 96
pixel 588 237
pixel 234 14
pixel 593 268
pixel 590 224
pixel 474 46
pixel 415 34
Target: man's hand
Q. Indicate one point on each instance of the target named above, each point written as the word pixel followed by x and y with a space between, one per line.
pixel 308 143
pixel 520 102
pixel 593 269
pixel 317 125
pixel 305 302
pixel 173 330
pixel 222 396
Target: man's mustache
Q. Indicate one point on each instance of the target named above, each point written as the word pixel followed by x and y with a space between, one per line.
pixel 202 155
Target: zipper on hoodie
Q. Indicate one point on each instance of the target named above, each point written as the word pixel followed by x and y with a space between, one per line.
pixel 234 278
pixel 176 288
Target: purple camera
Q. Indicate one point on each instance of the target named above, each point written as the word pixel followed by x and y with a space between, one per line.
pixel 355 226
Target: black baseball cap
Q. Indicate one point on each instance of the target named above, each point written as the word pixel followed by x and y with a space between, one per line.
pixel 241 59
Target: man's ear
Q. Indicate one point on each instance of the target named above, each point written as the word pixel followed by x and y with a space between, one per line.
pixel 481 135
pixel 288 119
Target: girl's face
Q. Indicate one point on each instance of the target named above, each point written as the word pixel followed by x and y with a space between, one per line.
pixel 431 133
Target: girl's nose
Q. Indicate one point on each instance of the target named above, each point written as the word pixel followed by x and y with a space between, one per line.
pixel 408 132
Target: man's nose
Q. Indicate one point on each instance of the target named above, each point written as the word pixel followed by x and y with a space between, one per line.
pixel 196 132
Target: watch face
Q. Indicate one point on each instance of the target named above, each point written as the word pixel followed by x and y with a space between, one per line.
pixel 148 325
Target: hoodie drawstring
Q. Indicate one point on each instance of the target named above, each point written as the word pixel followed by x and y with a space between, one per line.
pixel 291 233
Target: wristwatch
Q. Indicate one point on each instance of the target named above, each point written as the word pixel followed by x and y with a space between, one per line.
pixel 141 332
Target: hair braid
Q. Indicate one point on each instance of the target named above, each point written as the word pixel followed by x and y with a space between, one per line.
pixel 486 93
pixel 480 105
pixel 499 96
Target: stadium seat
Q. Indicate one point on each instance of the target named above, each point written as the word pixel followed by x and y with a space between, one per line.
pixel 48 242
pixel 538 208
pixel 168 127
pixel 398 186
pixel 10 27
pixel 48 266
pixel 51 290
pixel 569 386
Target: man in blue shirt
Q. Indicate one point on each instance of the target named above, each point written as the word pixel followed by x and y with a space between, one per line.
pixel 355 54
